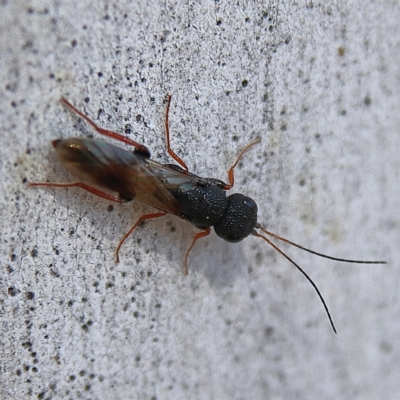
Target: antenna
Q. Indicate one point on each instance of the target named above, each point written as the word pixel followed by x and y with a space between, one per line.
pixel 258 226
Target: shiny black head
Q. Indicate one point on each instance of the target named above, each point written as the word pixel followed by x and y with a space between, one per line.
pixel 239 220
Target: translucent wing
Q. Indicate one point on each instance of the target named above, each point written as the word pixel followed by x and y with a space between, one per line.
pixel 129 174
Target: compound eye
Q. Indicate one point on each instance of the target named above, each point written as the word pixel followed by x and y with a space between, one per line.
pixel 250 204
pixel 239 220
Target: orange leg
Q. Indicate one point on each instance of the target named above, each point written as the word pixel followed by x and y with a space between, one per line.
pixel 170 151
pixel 140 148
pixel 199 235
pixel 230 172
pixel 83 186
pixel 142 218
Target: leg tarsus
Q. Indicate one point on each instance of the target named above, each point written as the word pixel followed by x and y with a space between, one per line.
pixel 142 218
pixel 140 148
pixel 204 233
pixel 170 151
pixel 83 186
pixel 231 175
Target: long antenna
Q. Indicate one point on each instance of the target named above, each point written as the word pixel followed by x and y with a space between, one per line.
pixel 302 271
pixel 258 226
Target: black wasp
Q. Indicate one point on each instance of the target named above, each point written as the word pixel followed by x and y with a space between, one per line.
pixel 169 188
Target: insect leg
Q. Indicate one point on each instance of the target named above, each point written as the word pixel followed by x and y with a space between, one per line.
pixel 142 218
pixel 206 232
pixel 170 151
pixel 83 186
pixel 139 147
pixel 230 172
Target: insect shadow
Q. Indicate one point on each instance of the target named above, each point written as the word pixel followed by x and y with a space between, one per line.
pixel 169 188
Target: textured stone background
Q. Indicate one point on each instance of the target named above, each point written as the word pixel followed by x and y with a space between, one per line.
pixel 320 84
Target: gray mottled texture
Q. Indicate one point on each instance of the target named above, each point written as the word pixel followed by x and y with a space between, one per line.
pixel 320 84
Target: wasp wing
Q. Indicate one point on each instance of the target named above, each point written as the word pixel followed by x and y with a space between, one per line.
pixel 129 174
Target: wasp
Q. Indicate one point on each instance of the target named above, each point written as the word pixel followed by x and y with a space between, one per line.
pixel 169 188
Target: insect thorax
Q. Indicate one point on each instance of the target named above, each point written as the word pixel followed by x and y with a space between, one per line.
pixel 202 205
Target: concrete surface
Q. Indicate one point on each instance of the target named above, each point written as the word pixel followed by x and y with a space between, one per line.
pixel 320 84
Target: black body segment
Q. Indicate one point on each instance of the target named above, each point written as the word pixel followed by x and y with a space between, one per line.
pixel 202 205
pixel 239 220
